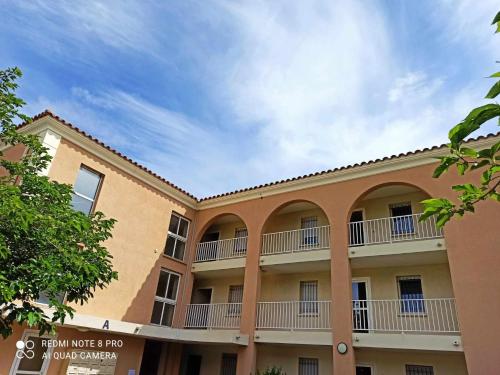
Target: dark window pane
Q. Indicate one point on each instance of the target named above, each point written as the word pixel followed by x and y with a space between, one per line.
pixel 170 246
pixel 168 314
pixel 308 366
pixel 156 315
pixel 81 204
pixel 162 284
pixel 183 228
pixel 172 287
pixel 228 364
pixel 419 370
pixel 179 250
pixel 174 222
pixel 412 295
pixel 87 183
pixel 35 363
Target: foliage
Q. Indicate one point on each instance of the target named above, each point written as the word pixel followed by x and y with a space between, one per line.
pixel 486 161
pixel 45 246
pixel 272 371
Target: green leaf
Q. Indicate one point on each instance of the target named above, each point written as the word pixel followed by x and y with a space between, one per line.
pixel 494 91
pixel 495 75
pixel 472 122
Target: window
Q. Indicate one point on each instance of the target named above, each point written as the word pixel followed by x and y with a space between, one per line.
pixel 165 299
pixel 177 237
pixel 411 295
pixel 32 359
pixel 308 366
pixel 85 190
pixel 240 242
pixel 419 370
pixel 228 364
pixel 308 297
pixel 235 296
pixel 402 219
pixel 363 370
pixel 309 226
pixel 43 298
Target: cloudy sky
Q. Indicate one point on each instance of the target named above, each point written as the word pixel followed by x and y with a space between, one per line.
pixel 219 95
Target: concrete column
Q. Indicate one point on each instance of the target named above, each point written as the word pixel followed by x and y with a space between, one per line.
pixel 341 298
pixel 247 356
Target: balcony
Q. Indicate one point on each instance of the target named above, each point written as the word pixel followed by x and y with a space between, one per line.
pixel 406 324
pixel 295 246
pixel 396 235
pixel 222 249
pixel 213 316
pixel 294 322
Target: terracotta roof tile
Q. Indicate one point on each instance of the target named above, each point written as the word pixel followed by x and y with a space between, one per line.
pixel 50 114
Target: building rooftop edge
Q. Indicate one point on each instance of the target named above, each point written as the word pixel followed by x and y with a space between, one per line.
pixel 48 113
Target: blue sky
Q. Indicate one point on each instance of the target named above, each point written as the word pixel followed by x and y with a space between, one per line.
pixel 220 95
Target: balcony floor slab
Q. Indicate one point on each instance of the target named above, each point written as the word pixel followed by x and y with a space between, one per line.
pixel 294 337
pixel 436 342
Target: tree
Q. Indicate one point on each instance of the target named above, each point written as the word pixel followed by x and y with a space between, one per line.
pixel 487 161
pixel 46 247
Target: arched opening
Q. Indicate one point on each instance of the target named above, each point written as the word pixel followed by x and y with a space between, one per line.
pixel 295 291
pixel 225 237
pixel 294 227
pixel 390 213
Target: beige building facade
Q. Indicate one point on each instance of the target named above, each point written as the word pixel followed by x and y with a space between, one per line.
pixel 331 273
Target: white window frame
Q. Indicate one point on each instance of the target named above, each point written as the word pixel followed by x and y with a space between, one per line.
pixel 369 365
pixel 177 237
pixel 98 188
pixel 420 365
pixel 17 361
pixel 164 300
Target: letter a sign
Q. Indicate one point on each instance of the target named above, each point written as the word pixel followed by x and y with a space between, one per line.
pixel 106 325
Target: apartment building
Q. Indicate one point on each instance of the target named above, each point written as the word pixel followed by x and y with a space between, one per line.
pixel 330 273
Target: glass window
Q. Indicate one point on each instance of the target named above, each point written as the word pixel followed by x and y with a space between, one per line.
pixel 308 366
pixel 85 190
pixel 419 370
pixel 411 294
pixel 240 240
pixel 166 298
pixel 228 364
pixel 235 298
pixel 43 298
pixel 308 297
pixel 178 229
pixel 309 232
pixel 32 360
pixel 402 219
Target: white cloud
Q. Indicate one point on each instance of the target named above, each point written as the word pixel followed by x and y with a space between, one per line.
pixel 414 85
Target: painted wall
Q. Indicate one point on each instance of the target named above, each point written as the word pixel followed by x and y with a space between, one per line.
pixel 139 236
pixel 128 356
pixel 393 362
pixel 379 207
pixel 436 280
pixel 286 287
pixel 287 357
pixel 226 230
pixel 220 287
pixel 290 221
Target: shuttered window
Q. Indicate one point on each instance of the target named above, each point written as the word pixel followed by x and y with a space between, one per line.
pixel 419 370
pixel 308 366
pixel 309 226
pixel 228 364
pixel 308 297
pixel 235 297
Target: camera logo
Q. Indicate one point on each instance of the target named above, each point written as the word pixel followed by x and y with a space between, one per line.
pixel 25 349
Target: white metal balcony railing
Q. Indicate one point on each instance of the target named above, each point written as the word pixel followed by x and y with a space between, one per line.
pixel 392 229
pixel 296 240
pixel 213 316
pixel 221 249
pixel 294 315
pixel 437 315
